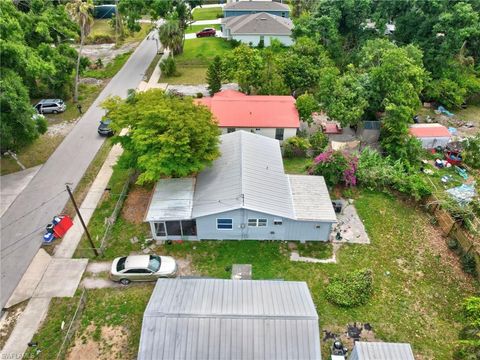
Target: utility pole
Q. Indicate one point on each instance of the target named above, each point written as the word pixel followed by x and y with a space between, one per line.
pixel 81 220
pixel 116 22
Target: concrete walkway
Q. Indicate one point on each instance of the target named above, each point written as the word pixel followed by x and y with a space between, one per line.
pixel 12 185
pixel 207 22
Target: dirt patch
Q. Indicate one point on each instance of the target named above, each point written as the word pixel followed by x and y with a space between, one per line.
pixel 62 128
pixel 109 343
pixel 8 321
pixel 136 204
pixel 106 52
pixel 185 267
pixel 438 245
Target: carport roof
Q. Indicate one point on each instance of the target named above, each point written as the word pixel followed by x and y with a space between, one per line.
pixel 229 319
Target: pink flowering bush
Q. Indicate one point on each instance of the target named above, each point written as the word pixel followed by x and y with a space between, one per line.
pixel 336 167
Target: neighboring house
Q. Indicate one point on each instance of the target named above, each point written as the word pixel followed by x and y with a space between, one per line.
pixel 431 135
pixel 272 116
pixel 244 195
pixel 253 7
pixel 254 28
pixel 207 319
pixel 379 350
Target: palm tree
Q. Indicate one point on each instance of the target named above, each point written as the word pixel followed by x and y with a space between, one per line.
pixel 171 36
pixel 80 12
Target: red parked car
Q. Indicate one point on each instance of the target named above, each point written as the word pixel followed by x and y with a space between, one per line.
pixel 206 32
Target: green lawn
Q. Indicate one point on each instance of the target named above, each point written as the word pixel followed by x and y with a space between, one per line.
pixel 193 62
pixel 40 150
pixel 207 13
pixel 296 165
pixel 120 309
pixel 418 284
pixel 197 28
pixel 102 32
pixel 110 69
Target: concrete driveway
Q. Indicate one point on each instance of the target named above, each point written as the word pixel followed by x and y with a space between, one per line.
pixel 23 223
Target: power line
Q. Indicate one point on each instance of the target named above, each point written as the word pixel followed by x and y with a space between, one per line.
pixel 32 210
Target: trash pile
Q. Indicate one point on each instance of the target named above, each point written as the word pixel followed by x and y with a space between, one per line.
pixel 463 194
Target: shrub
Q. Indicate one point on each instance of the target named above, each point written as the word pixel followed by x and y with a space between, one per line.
pixel 471 152
pixel 468 264
pixel 168 66
pixel 350 289
pixel 295 147
pixel 468 348
pixel 318 142
pixel 336 167
pixel 452 244
pixel 100 39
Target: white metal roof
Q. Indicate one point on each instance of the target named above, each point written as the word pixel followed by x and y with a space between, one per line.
pixel 229 319
pixel 382 351
pixel 171 200
pixel 256 6
pixel 311 200
pixel 249 174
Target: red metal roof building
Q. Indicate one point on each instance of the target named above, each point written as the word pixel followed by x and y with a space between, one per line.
pixel 266 115
pixel 431 135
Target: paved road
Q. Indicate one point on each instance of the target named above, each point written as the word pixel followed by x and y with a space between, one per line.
pixel 23 223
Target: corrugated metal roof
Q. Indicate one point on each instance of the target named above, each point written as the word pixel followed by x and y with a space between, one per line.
pixel 259 23
pixel 311 200
pixel 171 200
pixel 229 319
pixel 249 174
pixel 429 130
pixel 382 351
pixel 256 6
pixel 234 109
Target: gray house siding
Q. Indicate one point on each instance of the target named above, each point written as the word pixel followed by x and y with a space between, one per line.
pixel 229 13
pixel 288 230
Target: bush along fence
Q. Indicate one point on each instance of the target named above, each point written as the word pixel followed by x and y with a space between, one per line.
pixel 110 221
pixel 459 239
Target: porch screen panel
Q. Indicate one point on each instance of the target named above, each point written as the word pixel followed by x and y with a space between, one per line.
pixel 174 228
pixel 189 227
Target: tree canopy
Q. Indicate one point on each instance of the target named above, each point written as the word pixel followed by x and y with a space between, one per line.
pixel 168 135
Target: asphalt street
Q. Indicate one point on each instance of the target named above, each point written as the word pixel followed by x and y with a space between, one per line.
pixel 23 224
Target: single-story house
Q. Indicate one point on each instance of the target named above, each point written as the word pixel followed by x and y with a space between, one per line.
pixel 207 319
pixel 252 7
pixel 258 27
pixel 380 350
pixel 272 116
pixel 244 195
pixel 431 135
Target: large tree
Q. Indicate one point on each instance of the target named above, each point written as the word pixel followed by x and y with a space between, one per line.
pixel 171 36
pixel 168 135
pixel 244 65
pixel 80 12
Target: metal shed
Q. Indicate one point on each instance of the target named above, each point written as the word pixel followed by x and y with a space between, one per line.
pixel 208 319
pixel 381 351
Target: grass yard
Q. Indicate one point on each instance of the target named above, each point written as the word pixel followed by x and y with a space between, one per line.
pixel 151 67
pixel 110 69
pixel 102 32
pixel 193 62
pixel 296 165
pixel 109 327
pixel 210 13
pixel 40 150
pixel 196 28
pixel 418 283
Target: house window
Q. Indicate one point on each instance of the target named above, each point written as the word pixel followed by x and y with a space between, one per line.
pixel 283 14
pixel 257 130
pixel 317 226
pixel 224 224
pixel 257 222
pixel 279 134
pixel 277 221
pixel 230 130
